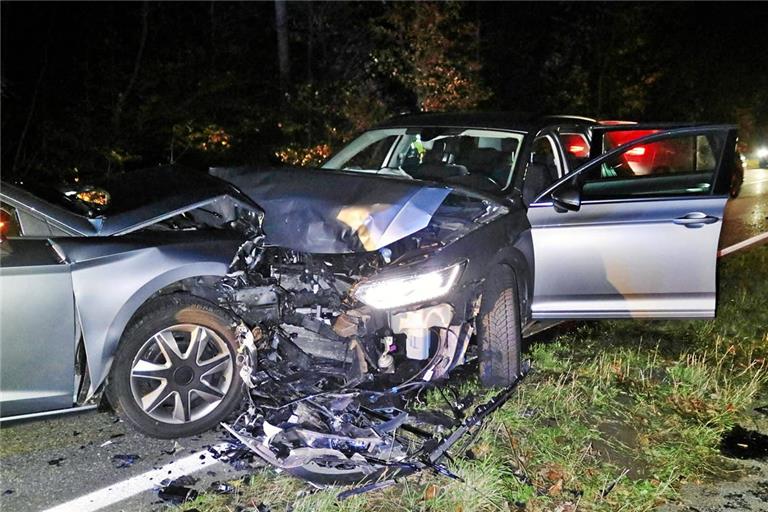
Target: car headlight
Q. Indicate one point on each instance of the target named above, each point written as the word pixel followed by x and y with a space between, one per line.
pixel 762 152
pixel 402 291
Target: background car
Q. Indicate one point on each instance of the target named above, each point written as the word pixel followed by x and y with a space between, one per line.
pixel 81 312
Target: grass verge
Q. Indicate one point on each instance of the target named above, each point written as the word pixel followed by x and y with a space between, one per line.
pixel 616 417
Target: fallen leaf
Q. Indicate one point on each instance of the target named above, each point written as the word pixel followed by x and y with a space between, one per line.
pixel 556 488
pixel 430 492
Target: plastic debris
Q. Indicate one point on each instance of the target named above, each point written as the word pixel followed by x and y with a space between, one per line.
pixel 124 460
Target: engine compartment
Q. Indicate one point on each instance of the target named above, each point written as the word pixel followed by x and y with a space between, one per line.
pixel 330 381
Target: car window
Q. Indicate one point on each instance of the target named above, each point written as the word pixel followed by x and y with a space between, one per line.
pixel 681 165
pixel 10 221
pixel 542 170
pixel 372 156
pixel 481 159
pixel 576 146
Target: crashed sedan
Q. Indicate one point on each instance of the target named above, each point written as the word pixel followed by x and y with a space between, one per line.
pixel 436 239
pixel 426 242
pixel 84 310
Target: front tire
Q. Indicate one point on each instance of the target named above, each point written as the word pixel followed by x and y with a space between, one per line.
pixel 175 372
pixel 499 330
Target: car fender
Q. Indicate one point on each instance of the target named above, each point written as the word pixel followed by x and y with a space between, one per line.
pixel 110 288
pixel 518 259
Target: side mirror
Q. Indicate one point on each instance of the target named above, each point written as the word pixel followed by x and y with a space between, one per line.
pixel 566 198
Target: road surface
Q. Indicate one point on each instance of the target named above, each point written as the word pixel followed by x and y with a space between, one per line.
pixel 747 215
pixel 49 462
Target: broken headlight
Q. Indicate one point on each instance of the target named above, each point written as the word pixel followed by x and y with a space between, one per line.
pixel 395 292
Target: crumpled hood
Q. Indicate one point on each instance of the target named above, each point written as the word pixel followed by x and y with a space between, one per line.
pixel 332 212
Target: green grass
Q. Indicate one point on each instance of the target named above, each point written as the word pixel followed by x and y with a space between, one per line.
pixel 637 407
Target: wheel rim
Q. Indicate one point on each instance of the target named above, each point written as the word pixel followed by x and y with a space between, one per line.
pixel 181 374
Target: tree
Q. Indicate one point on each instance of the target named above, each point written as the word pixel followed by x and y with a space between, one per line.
pixel 430 50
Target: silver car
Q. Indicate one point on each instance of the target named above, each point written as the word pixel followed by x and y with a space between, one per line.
pixel 81 308
pixel 426 241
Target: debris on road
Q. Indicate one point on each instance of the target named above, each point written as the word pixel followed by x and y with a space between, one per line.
pixel 124 460
pixel 308 421
pixel 178 491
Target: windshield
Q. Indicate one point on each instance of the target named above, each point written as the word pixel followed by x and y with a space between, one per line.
pixel 481 159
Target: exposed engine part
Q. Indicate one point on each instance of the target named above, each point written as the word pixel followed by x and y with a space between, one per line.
pixel 386 361
pixel 417 325
pixel 330 380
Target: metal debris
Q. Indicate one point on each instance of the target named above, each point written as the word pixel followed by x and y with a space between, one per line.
pixel 350 435
pixel 332 383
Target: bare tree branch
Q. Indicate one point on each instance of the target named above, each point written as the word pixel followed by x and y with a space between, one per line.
pixel 31 112
pixel 136 67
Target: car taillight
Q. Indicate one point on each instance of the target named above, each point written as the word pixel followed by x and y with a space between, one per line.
pixel 575 144
pixel 575 149
pixel 637 151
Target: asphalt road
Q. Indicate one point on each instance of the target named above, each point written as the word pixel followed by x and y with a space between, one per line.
pixel 46 463
pixel 747 215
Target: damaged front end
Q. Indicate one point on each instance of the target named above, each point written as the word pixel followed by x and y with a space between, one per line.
pixel 334 346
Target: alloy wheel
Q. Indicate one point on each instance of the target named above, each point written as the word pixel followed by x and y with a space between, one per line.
pixel 182 373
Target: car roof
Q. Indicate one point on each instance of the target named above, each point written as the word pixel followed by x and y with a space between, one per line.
pixel 515 121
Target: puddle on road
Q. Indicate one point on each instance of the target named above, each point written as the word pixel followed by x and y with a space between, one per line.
pixel 741 443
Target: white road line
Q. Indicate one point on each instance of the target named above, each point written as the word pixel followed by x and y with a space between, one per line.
pixel 742 244
pixel 120 491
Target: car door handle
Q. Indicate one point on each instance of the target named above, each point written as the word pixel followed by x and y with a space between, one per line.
pixel 695 219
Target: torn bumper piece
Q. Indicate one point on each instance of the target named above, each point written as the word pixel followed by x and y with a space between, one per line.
pixel 361 437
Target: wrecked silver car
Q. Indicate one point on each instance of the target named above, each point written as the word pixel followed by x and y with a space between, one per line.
pixel 436 234
pixel 369 279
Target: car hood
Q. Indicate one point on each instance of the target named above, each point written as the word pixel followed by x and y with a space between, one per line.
pixel 335 212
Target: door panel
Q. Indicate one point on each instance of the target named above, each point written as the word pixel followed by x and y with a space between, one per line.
pixel 37 329
pixel 611 260
pixel 643 242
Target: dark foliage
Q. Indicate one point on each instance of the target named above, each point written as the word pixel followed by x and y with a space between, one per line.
pixel 102 87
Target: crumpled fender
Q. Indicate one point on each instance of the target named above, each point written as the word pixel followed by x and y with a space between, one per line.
pixel 112 278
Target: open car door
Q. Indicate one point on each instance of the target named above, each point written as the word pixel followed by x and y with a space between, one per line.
pixel 634 231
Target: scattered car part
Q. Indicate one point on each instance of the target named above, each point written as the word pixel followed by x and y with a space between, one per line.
pixel 341 430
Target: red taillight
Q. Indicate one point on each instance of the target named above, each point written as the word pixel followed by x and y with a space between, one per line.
pixel 575 149
pixel 637 151
pixel 576 144
pixel 5 222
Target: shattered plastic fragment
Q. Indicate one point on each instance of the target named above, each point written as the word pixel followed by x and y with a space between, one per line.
pixel 124 460
pixel 177 494
pixel 356 437
pixel 221 488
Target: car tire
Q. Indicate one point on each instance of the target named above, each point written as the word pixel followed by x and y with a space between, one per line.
pixel 182 346
pixel 499 331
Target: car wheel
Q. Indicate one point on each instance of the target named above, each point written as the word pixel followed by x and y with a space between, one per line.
pixel 499 332
pixel 175 371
